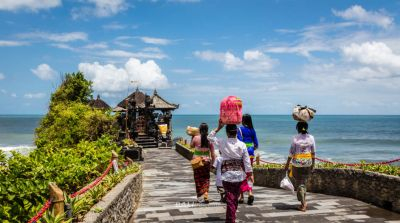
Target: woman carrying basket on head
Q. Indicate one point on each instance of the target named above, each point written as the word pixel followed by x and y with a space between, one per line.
pixel 302 156
pixel 205 150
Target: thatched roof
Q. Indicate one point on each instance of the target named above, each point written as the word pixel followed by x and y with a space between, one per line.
pixel 98 103
pixel 137 97
pixel 154 102
pixel 157 102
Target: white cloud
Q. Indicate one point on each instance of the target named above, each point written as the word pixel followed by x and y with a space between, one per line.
pixel 102 8
pixel 34 95
pixel 372 53
pixel 114 26
pixel 182 71
pixel 96 46
pixel 14 95
pixel 44 72
pixel 253 61
pixel 2 76
pixel 110 78
pixel 32 5
pixel 63 46
pixel 127 54
pixel 155 41
pixel 12 43
pixel 359 14
pixel 56 37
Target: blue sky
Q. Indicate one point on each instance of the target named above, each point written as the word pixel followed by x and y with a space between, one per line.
pixel 340 57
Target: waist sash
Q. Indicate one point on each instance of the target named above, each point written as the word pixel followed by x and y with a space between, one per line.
pixel 232 165
pixel 201 153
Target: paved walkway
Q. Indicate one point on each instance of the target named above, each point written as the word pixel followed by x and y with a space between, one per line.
pixel 169 196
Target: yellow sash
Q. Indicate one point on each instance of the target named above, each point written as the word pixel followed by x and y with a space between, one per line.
pixel 302 156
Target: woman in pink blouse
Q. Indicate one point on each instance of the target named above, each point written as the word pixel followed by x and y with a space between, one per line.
pixel 204 149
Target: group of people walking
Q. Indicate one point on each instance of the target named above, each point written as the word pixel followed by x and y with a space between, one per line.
pixel 233 166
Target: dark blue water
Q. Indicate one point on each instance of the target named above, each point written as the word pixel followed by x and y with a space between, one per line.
pixel 340 138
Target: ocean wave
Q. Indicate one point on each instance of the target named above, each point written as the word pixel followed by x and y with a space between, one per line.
pixel 24 149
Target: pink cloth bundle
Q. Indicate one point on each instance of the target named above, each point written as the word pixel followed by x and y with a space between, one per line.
pixel 231 110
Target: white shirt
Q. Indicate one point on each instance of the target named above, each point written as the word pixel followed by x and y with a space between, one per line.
pixel 217 165
pixel 232 148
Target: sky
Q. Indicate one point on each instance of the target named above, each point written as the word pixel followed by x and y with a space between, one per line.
pixel 339 57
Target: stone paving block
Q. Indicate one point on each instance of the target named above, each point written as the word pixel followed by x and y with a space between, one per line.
pixel 360 216
pixel 169 196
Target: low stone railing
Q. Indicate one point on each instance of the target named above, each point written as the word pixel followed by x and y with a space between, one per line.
pixel 119 204
pixel 185 152
pixel 379 189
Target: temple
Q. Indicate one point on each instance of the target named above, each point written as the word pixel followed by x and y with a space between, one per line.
pixel 146 119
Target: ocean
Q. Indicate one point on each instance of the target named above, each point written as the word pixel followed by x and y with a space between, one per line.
pixel 347 138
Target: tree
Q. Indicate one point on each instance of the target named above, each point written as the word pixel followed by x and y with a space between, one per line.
pixel 74 88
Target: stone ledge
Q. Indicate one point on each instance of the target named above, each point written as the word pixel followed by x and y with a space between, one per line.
pixel 119 204
pixel 379 189
pixel 183 151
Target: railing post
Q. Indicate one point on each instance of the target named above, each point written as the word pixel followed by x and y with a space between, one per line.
pixel 57 199
pixel 114 160
pixel 258 159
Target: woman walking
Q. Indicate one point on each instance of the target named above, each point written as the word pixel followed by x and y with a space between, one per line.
pixel 205 150
pixel 302 156
pixel 235 166
pixel 248 135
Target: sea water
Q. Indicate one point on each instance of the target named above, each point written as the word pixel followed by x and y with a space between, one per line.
pixel 347 138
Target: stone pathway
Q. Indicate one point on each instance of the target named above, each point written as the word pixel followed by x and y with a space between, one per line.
pixel 169 196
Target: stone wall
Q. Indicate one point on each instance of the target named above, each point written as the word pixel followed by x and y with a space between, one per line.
pixel 375 188
pixel 183 151
pixel 119 204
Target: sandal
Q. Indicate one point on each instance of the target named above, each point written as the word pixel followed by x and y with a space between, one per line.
pixel 250 200
pixel 241 201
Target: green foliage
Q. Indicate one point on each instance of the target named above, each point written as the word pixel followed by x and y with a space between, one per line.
pixel 385 169
pixel 67 124
pixel 82 204
pixel 74 144
pixel 24 184
pixel 74 88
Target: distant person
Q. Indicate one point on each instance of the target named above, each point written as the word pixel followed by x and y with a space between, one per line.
pixel 204 149
pixel 235 166
pixel 248 135
pixel 302 156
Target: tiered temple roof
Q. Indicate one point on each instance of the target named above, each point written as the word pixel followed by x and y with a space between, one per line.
pixel 98 103
pixel 140 100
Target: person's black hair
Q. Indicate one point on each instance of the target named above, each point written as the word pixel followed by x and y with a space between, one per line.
pixel 302 127
pixel 247 121
pixel 231 129
pixel 203 129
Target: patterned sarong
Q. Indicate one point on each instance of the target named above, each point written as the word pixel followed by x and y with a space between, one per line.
pixel 202 178
pixel 232 192
pixel 300 174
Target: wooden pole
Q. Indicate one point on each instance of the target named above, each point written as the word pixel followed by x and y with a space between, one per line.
pixel 57 199
pixel 126 120
pixel 258 159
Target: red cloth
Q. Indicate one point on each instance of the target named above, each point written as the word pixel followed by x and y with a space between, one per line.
pixel 202 178
pixel 244 186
